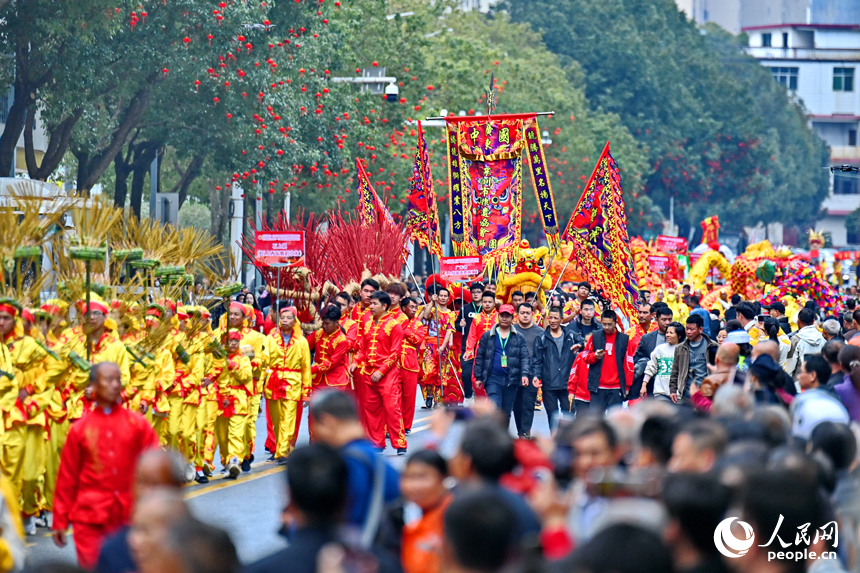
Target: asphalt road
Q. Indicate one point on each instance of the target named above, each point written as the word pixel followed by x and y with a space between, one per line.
pixel 249 508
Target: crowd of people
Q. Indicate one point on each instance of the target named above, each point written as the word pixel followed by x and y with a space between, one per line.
pixel 660 431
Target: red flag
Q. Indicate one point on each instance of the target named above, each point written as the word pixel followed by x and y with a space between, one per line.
pixel 369 204
pixel 422 219
pixel 598 231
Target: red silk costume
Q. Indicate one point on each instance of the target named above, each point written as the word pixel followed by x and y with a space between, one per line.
pixel 413 335
pixel 96 478
pixel 331 360
pixel 379 352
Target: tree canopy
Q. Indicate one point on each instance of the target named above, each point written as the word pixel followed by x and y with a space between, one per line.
pixel 223 92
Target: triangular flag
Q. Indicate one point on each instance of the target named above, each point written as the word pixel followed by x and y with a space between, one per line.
pixel 422 219
pixel 598 232
pixel 369 203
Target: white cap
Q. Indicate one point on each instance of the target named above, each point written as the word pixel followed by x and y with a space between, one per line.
pixel 812 408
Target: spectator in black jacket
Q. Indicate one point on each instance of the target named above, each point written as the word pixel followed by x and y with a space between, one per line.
pixel 585 323
pixel 552 361
pixel 502 363
pixel 647 344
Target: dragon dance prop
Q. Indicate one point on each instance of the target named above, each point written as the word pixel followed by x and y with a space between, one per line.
pixel 422 218
pixel 485 171
pixel 598 233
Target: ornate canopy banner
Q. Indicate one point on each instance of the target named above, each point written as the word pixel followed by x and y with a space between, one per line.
pixel 485 162
pixel 598 231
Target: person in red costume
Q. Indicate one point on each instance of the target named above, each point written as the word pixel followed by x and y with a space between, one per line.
pixel 378 356
pixel 360 313
pixel 331 361
pixel 97 467
pixel 413 336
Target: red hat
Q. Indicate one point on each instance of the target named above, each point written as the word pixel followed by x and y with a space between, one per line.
pixel 27 314
pixel 240 307
pixel 167 303
pixel 9 306
pixel 96 304
pixel 507 308
pixel 291 309
pixel 235 335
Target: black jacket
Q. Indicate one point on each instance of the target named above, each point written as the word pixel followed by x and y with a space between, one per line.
pixel 784 324
pixel 598 342
pixel 583 330
pixel 647 344
pixel 552 368
pixel 516 350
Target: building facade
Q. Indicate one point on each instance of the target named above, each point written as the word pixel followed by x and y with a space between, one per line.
pixel 819 64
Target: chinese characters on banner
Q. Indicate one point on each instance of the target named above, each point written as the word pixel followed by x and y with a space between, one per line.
pixel 276 248
pixel 485 162
pixel 659 263
pixel 460 269
pixel 671 245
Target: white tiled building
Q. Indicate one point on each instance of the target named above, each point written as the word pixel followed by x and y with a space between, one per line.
pixel 820 64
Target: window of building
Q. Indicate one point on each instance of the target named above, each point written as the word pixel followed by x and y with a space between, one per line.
pixel 785 39
pixel 852 137
pixel 785 76
pixel 846 184
pixel 766 40
pixel 843 79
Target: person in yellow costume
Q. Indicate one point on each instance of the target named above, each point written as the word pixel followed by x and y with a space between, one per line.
pixel 253 345
pixel 289 383
pixel 235 384
pixel 201 332
pixel 170 426
pixel 680 311
pixel 190 377
pixel 24 402
pixel 210 397
pixel 92 338
pixel 51 320
pixel 13 550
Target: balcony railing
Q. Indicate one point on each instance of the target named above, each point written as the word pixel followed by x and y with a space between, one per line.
pixel 821 54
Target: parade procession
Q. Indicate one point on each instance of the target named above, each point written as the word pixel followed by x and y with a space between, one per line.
pixel 267 305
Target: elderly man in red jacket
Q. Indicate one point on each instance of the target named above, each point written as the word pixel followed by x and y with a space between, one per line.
pixel 97 466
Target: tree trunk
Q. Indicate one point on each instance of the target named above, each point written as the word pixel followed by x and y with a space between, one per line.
pixel 122 169
pixel 58 144
pixel 144 153
pixel 95 167
pixel 15 122
pixel 187 177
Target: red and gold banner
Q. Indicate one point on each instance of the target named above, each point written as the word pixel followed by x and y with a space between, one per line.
pixel 485 168
pixel 711 230
pixel 598 231
pixel 422 219
pixel 370 205
pixel 543 188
